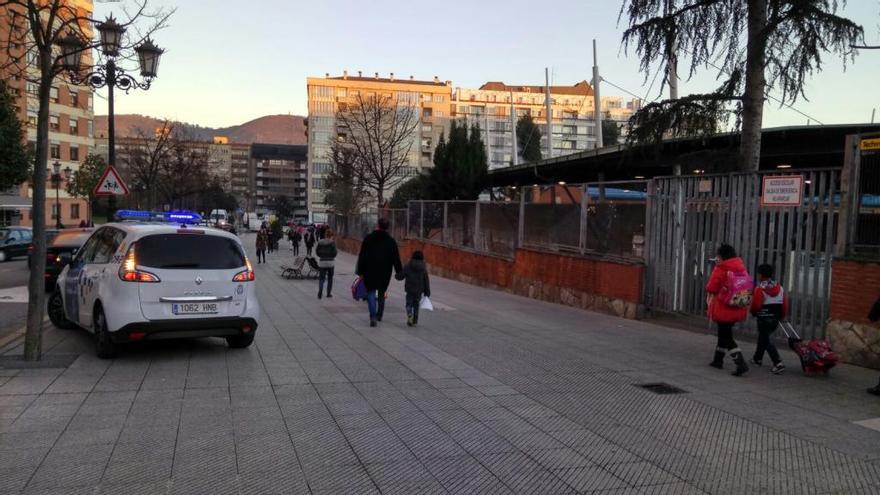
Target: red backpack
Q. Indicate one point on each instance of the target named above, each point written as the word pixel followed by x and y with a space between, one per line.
pixel 737 290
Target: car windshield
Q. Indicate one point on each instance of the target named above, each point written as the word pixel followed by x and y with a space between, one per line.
pixel 189 251
pixel 70 239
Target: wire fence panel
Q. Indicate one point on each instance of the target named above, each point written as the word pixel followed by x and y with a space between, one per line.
pixel 499 227
pixel 552 217
pixel 616 218
pixel 460 223
pixel 432 220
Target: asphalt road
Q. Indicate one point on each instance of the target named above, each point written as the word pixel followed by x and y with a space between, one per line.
pixel 13 295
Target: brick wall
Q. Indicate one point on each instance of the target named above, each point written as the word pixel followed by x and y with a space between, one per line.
pixel 855 286
pixel 589 283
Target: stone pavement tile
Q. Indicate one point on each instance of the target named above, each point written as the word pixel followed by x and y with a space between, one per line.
pixel 533 440
pixel 536 482
pixel 360 421
pixel 152 471
pixel 67 475
pixel 400 473
pixel 679 488
pixel 68 490
pixel 261 454
pixel 213 483
pixel 641 473
pixel 495 390
pixel 318 456
pixel 465 475
pixel 204 462
pixel 559 458
pixel 332 480
pixel 159 488
pixel 73 454
pixel 376 445
pixel 508 462
pixel 589 479
pixel 145 451
pixel 14 478
pixel 290 481
pixel 10 440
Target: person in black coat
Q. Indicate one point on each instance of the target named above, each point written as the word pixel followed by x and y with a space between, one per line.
pixel 310 241
pixel 377 257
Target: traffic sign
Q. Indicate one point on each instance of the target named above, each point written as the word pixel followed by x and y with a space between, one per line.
pixel 111 184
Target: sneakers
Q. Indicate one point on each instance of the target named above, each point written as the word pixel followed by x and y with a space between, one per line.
pixel 373 323
pixel 409 320
pixel 777 368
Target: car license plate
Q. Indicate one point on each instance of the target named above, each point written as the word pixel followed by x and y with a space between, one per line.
pixel 194 308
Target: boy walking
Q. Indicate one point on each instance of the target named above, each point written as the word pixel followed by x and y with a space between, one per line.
pixel 769 306
pixel 416 285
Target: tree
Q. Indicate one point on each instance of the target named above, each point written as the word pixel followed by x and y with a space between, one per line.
pixel 345 192
pixel 379 133
pixel 283 208
pixel 214 196
pixel 412 190
pixel 460 165
pixel 84 180
pixel 36 27
pixel 610 133
pixel 528 139
pixel 142 158
pixel 184 171
pixel 761 44
pixel 15 161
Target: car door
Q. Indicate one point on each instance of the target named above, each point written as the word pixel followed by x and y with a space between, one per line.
pixel 73 279
pixel 27 237
pixel 97 271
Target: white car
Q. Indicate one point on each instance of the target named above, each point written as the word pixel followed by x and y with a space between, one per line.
pixel 147 280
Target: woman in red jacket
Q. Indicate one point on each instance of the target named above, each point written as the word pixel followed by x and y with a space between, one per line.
pixel 724 316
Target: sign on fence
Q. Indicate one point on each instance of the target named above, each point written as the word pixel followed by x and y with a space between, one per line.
pixel 870 144
pixel 782 190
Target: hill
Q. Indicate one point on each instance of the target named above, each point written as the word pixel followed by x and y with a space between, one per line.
pixel 280 129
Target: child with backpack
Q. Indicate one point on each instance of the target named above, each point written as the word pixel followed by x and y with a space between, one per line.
pixel 416 285
pixel 729 297
pixel 769 306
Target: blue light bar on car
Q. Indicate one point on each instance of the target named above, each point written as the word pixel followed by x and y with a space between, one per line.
pixel 183 216
pixel 158 216
pixel 134 215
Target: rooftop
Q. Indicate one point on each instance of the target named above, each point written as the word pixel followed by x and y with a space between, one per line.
pixel 582 88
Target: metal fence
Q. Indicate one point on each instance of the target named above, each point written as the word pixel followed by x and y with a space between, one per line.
pixel 360 224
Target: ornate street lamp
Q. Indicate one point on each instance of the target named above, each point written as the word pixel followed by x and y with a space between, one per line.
pixel 109 75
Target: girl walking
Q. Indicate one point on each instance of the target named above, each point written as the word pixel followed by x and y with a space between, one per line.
pixel 729 304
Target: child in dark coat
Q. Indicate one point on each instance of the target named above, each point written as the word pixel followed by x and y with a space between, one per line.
pixel 416 285
pixel 769 306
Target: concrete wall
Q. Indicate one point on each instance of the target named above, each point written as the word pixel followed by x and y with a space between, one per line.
pixel 854 288
pixel 589 283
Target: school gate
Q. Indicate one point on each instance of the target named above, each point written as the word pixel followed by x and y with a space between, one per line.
pixel 689 216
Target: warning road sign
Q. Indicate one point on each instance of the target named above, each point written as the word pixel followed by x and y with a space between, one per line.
pixel 111 184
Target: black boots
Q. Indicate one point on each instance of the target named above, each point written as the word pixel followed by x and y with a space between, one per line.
pixel 718 360
pixel 740 361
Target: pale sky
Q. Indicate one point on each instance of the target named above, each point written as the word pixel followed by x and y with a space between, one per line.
pixel 228 62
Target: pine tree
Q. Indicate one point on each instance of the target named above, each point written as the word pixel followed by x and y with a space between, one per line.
pixel 460 165
pixel 528 139
pixel 15 161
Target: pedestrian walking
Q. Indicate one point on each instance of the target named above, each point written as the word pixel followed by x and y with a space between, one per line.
pixel 377 257
pixel 262 241
pixel 769 306
pixel 296 237
pixel 416 285
pixel 729 298
pixel 874 317
pixel 310 241
pixel 326 252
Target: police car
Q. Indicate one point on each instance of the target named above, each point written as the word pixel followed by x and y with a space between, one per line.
pixel 153 276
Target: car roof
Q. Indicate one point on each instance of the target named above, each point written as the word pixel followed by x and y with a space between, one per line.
pixel 141 229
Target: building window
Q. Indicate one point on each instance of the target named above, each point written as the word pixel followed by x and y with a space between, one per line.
pixel 33 89
pixel 427 113
pixel 74 211
pixel 74 153
pixel 74 127
pixel 439 113
pixel 439 98
pixel 53 94
pixel 318 183
pixel 55 151
pixel 54 123
pixel 91 129
pixel 32 119
pixel 426 127
pixel 341 92
pixel 74 98
pixel 55 211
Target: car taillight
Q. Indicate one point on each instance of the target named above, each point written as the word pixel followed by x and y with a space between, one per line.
pixel 128 272
pixel 246 275
pixel 51 258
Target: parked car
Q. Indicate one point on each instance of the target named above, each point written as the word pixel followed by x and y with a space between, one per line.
pixel 50 234
pixel 14 241
pixel 61 249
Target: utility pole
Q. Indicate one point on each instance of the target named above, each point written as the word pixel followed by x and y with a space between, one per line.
pixel 672 61
pixel 513 132
pixel 597 104
pixel 548 104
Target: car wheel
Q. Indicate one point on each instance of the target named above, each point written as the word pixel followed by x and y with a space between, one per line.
pixel 2 256
pixel 104 347
pixel 240 341
pixel 55 308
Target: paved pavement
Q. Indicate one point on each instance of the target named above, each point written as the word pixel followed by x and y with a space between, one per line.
pixel 492 394
pixel 13 296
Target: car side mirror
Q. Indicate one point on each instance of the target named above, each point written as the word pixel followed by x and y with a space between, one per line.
pixel 65 258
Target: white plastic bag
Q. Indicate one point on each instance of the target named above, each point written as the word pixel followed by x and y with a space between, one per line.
pixel 426 304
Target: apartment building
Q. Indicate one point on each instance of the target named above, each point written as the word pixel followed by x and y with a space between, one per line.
pixel 573 121
pixel 276 170
pixel 431 100
pixel 239 183
pixel 71 130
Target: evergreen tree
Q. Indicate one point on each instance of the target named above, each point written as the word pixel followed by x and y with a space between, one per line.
pixel 15 161
pixel 460 165
pixel 528 139
pixel 411 190
pixel 477 171
pixel 610 133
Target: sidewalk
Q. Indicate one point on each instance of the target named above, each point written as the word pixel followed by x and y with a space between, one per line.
pixel 491 393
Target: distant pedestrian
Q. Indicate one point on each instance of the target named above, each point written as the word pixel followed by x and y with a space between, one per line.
pixel 262 241
pixel 377 257
pixel 83 224
pixel 310 241
pixel 874 316
pixel 326 252
pixel 416 286
pixel 769 306
pixel 729 304
pixel 296 239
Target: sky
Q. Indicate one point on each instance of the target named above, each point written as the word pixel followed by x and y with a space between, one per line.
pixel 228 62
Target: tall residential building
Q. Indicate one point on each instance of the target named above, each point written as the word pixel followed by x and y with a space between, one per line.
pixel 239 184
pixel 71 133
pixel 573 121
pixel 431 100
pixel 279 170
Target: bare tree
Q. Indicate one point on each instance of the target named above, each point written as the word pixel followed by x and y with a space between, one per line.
pixel 141 159
pixel 32 33
pixel 184 171
pixel 345 192
pixel 378 133
pixel 758 45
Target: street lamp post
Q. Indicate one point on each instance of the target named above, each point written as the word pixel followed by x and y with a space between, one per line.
pixel 110 75
pixel 56 183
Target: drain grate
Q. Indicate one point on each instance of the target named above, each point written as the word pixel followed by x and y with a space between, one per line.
pixel 661 388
